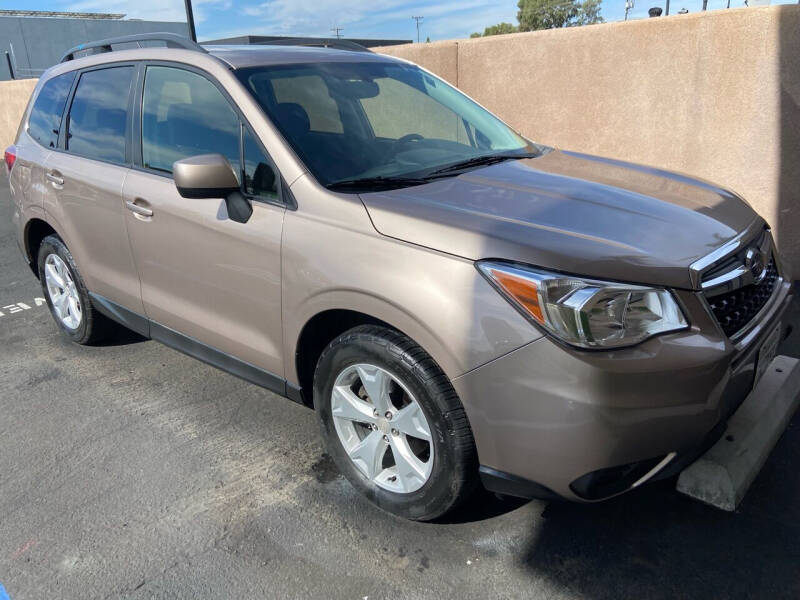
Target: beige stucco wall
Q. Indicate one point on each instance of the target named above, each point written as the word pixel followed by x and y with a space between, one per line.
pixel 14 97
pixel 715 95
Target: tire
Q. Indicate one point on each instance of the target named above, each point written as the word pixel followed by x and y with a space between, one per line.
pixel 92 326
pixel 451 463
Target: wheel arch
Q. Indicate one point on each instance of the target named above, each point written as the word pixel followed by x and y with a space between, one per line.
pixel 325 325
pixel 36 230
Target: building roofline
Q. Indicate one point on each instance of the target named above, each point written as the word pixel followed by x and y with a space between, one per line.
pixel 260 40
pixel 49 14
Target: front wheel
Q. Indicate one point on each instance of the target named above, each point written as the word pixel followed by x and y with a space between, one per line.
pixel 393 423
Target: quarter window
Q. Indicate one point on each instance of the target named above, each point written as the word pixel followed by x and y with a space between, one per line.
pixel 45 120
pixel 183 115
pixel 99 114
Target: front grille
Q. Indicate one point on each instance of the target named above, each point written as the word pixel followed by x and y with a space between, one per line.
pixel 734 310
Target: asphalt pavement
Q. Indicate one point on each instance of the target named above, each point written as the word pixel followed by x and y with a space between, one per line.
pixel 131 471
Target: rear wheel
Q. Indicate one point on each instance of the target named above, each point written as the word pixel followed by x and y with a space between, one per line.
pixel 393 423
pixel 67 296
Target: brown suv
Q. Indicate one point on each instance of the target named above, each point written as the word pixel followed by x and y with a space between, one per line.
pixel 343 228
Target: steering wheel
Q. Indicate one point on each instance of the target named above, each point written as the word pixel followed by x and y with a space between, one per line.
pixel 406 139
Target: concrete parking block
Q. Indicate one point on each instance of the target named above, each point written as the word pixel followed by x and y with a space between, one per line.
pixel 722 475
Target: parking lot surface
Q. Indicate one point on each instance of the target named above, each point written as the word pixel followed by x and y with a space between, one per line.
pixel 131 471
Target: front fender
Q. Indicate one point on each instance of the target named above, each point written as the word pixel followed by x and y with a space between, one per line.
pixel 439 301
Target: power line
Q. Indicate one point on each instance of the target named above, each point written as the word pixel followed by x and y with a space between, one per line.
pixel 337 31
pixel 418 20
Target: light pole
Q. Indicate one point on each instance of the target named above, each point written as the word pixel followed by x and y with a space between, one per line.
pixel 190 20
pixel 10 66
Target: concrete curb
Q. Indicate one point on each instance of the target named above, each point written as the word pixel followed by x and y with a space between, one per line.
pixel 722 475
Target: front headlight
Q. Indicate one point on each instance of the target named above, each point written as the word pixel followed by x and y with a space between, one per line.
pixel 586 312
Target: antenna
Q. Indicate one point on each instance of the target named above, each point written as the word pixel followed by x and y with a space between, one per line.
pixel 418 20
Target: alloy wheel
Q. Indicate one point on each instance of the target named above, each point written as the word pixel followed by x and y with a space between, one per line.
pixel 382 428
pixel 63 292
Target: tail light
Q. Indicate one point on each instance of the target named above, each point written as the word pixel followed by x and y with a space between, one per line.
pixel 10 156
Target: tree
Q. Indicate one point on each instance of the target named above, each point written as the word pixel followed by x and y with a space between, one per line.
pixel 589 13
pixel 553 14
pixel 498 29
pixel 548 14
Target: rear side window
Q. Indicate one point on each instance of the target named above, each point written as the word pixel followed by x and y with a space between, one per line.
pixel 45 120
pixel 99 114
pixel 183 115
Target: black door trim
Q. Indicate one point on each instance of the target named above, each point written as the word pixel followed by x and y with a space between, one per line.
pixel 132 320
pixel 194 348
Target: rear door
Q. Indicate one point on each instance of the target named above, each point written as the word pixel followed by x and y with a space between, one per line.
pixel 34 144
pixel 84 176
pixel 210 279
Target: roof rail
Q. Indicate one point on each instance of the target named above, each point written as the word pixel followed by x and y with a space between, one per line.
pixel 172 40
pixel 318 43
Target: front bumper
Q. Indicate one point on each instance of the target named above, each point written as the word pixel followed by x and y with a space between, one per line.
pixel 545 416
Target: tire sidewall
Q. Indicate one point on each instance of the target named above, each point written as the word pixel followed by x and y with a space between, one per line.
pixel 53 245
pixel 440 488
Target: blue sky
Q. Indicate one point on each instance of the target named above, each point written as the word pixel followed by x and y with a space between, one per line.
pixel 358 18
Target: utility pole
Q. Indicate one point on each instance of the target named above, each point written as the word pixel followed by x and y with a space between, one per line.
pixel 666 12
pixel 337 31
pixel 705 4
pixel 190 20
pixel 628 5
pixel 418 20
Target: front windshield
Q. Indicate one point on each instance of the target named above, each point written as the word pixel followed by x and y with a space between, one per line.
pixel 366 120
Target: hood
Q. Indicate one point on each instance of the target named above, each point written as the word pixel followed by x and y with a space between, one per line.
pixel 570 212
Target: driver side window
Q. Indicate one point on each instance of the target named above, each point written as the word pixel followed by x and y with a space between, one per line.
pixel 400 109
pixel 183 115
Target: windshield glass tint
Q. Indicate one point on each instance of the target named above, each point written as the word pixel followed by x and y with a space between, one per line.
pixel 361 120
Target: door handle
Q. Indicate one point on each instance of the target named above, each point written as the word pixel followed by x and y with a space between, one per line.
pixel 139 210
pixel 53 178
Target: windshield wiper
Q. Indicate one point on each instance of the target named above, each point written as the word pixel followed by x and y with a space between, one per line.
pixel 375 183
pixel 479 161
pixel 386 183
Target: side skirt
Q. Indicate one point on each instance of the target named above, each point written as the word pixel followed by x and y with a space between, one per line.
pixel 123 316
pixel 192 347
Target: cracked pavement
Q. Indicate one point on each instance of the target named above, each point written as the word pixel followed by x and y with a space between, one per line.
pixel 131 471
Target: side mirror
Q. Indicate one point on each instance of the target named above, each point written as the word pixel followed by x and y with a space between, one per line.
pixel 211 176
pixel 204 176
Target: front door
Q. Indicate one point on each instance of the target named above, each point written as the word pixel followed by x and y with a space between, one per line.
pixel 208 278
